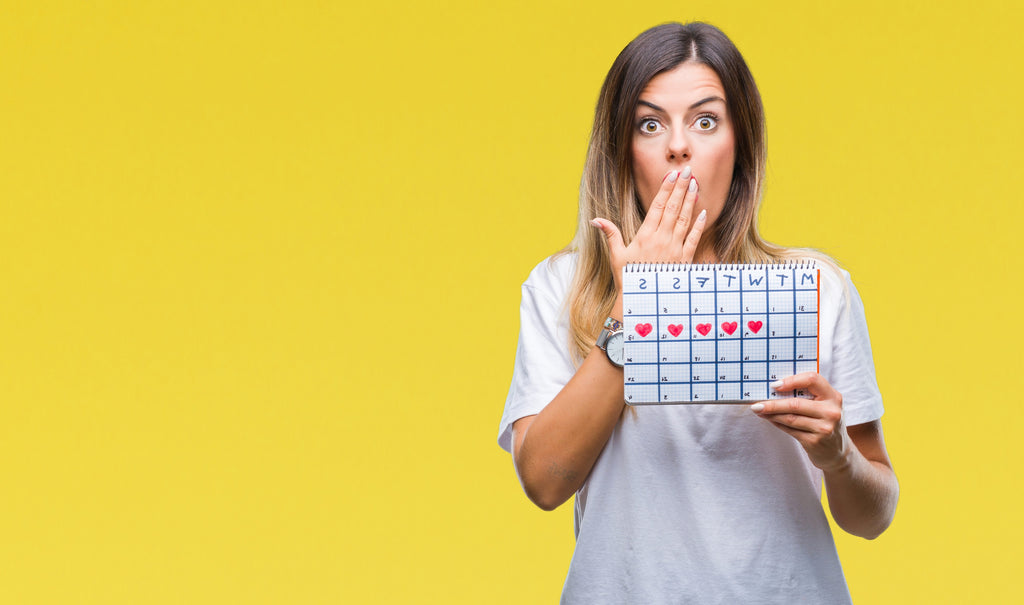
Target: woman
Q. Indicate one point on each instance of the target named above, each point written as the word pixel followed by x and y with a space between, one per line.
pixel 694 504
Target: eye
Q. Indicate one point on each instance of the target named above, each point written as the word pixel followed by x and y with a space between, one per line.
pixel 706 122
pixel 649 126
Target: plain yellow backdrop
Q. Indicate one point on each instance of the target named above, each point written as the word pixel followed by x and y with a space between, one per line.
pixel 260 268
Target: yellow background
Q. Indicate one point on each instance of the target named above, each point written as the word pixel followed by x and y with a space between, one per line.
pixel 260 268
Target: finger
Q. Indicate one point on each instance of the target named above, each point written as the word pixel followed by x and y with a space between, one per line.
pixel 693 237
pixel 794 424
pixel 613 235
pixel 794 406
pixel 657 208
pixel 685 217
pixel 675 202
pixel 812 381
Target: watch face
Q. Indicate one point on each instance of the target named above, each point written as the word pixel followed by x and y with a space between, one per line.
pixel 615 349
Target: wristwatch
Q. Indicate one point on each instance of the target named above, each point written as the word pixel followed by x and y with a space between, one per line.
pixel 610 341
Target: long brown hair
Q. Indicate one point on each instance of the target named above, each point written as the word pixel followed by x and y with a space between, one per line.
pixel 608 191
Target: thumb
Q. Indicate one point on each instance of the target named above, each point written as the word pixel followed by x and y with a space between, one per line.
pixel 612 234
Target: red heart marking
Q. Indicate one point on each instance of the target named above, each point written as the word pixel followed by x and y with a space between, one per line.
pixel 755 326
pixel 675 329
pixel 729 327
pixel 644 329
pixel 703 329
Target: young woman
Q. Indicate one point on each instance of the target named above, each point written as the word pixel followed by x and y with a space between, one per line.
pixel 689 503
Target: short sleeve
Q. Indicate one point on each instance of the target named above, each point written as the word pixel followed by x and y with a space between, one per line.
pixel 850 367
pixel 542 364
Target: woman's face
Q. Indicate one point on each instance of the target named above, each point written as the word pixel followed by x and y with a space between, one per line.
pixel 681 120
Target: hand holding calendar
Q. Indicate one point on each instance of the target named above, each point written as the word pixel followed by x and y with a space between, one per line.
pixel 816 424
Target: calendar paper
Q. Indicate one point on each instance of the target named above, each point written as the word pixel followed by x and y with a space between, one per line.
pixel 717 333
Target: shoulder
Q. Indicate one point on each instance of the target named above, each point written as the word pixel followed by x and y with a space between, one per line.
pixel 553 275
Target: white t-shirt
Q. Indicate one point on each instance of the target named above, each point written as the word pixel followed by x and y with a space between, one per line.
pixel 696 503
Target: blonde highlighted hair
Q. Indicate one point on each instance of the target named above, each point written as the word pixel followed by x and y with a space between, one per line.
pixel 607 189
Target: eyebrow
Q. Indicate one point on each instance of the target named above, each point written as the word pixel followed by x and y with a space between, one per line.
pixel 694 106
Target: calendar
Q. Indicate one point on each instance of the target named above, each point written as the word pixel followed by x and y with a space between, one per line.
pixel 717 333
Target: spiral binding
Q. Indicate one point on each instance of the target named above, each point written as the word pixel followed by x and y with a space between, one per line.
pixel 668 267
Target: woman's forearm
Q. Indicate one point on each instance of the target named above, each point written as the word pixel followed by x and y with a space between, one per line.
pixel 554 451
pixel 863 490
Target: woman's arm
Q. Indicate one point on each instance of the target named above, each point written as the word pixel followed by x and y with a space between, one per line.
pixel 554 450
pixel 859 480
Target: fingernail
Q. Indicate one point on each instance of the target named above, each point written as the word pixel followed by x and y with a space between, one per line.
pixel 595 223
pixel 672 176
pixel 693 185
pixel 702 216
pixel 776 384
pixel 757 407
pixel 686 173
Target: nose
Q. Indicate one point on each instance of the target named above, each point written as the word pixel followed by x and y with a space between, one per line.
pixel 678 149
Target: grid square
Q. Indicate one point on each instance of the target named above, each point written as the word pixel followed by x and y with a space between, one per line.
pixel 806 324
pixel 729 372
pixel 673 372
pixel 702 351
pixel 729 302
pixel 805 279
pixel 641 393
pixel 672 328
pixel 727 281
pixel 807 301
pixel 806 366
pixel 806 348
pixel 675 392
pixel 754 280
pixel 780 302
pixel 704 392
pixel 755 349
pixel 640 329
pixel 729 391
pixel 754 326
pixel 780 349
pixel 702 372
pixel 728 350
pixel 641 352
pixel 674 303
pixel 755 391
pixel 729 327
pixel 678 351
pixel 777 370
pixel 641 374
pixel 640 305
pixel 780 279
pixel 702 304
pixel 755 302
pixel 780 325
pixel 755 371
